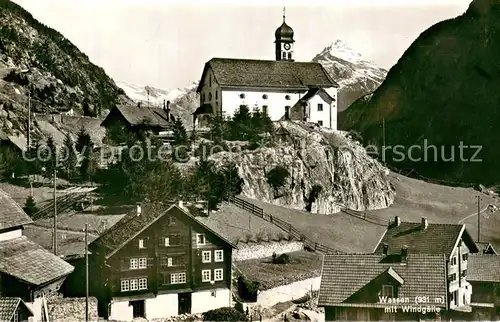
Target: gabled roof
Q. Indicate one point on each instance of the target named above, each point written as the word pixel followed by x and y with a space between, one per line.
pixel 30 262
pixel 485 247
pixel 345 274
pixel 435 239
pixel 136 115
pixel 132 225
pixel 8 306
pixel 11 214
pixel 483 268
pixel 231 72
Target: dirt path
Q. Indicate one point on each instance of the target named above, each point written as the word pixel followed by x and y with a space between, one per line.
pixel 461 221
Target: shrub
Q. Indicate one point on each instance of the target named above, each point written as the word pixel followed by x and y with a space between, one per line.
pixel 30 206
pixel 224 314
pixel 239 307
pixel 276 178
pixel 282 259
pixel 248 289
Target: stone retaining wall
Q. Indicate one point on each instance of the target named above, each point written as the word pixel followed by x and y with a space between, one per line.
pixel 265 249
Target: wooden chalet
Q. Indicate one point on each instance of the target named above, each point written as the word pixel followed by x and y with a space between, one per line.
pixel 131 117
pixel 160 261
pixel 27 270
pixel 365 287
pixel 484 276
pixel 451 240
pixel 13 309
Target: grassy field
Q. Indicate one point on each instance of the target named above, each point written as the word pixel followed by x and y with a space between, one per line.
pixel 303 265
pixel 414 199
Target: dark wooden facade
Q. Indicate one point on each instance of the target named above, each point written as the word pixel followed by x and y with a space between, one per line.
pixel 153 262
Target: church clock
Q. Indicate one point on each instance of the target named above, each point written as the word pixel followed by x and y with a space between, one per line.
pixel 286 46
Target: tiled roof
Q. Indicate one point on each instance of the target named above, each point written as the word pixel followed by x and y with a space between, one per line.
pixel 30 262
pixel 435 239
pixel 483 268
pixel 268 73
pixel 11 214
pixel 483 247
pixel 345 274
pixel 136 115
pixel 8 305
pixel 131 225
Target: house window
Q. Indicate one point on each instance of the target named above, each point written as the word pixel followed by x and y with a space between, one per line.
pixel 170 261
pixel 464 272
pixel 242 95
pixel 125 285
pixel 264 96
pixel 143 283
pixel 264 109
pixel 141 243
pixel 320 107
pixel 465 256
pixel 134 263
pixel 213 293
pixel 454 260
pixel 134 286
pixel 452 296
pixel 167 241
pixel 218 274
pixel 320 123
pixel 218 256
pixel 178 278
pixel 200 239
pixel 388 290
pixel 287 97
pixel 143 263
pixel 171 221
pixel 205 275
pixel 453 277
pixel 206 256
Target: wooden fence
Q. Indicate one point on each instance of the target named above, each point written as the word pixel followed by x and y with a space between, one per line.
pixel 283 225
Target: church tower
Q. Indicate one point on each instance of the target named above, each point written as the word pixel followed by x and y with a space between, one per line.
pixel 284 41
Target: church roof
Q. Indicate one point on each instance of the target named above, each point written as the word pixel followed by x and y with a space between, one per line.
pixel 284 32
pixel 231 72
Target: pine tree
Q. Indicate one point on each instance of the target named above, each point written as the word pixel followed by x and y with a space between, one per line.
pixel 180 146
pixel 30 206
pixel 68 156
pixel 83 140
pixel 49 157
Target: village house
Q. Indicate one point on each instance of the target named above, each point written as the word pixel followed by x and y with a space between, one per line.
pixel 484 276
pixel 27 270
pixel 451 240
pixel 13 309
pixel 486 248
pixel 132 118
pixel 282 88
pixel 160 261
pixel 375 287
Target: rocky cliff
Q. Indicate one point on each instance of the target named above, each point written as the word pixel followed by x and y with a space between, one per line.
pixel 38 61
pixel 442 99
pixel 348 176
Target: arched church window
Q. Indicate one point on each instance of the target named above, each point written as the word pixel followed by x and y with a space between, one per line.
pixel 289 55
pixel 210 96
pixel 284 55
pixel 203 97
pixel 287 97
pixel 216 94
pixel 242 95
pixel 264 96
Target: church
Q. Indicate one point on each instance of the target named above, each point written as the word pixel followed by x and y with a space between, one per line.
pixel 282 88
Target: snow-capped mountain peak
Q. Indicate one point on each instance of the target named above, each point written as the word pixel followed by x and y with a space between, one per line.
pixel 341 50
pixel 154 95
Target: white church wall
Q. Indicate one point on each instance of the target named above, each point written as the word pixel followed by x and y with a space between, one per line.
pixel 328 115
pixel 275 101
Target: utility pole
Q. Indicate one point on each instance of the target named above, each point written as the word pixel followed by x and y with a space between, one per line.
pixel 54 241
pixel 383 139
pixel 478 219
pixel 86 273
pixel 29 118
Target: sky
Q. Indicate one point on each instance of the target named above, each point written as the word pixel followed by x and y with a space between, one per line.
pixel 165 43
